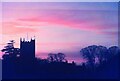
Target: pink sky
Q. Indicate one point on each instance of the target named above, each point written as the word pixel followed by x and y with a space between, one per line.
pixel 60 27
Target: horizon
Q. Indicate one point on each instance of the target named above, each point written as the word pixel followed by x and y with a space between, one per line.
pixel 61 27
pixel 70 59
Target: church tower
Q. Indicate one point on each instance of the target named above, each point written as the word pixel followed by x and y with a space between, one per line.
pixel 27 49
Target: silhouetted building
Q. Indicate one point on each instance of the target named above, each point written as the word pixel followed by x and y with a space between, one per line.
pixel 27 49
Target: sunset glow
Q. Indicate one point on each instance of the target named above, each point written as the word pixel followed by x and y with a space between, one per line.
pixel 60 27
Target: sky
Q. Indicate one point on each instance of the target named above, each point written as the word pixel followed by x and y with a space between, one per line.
pixel 60 26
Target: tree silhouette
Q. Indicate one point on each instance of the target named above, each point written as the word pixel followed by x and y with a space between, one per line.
pixel 89 54
pixel 51 57
pixel 60 57
pixel 114 50
pixel 10 51
pixel 101 53
pixel 57 66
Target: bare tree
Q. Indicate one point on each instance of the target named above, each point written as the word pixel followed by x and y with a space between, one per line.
pixel 60 57
pixel 51 57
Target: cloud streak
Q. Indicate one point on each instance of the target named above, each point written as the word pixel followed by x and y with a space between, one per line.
pixel 96 21
pixel 61 26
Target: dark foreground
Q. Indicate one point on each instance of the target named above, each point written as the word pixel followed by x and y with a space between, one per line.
pixel 59 70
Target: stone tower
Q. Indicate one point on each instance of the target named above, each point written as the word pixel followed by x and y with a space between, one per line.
pixel 27 49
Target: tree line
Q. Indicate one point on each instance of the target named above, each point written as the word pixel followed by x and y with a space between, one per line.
pixel 93 54
pixel 100 62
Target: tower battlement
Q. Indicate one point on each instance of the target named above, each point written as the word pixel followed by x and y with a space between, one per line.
pixel 27 49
